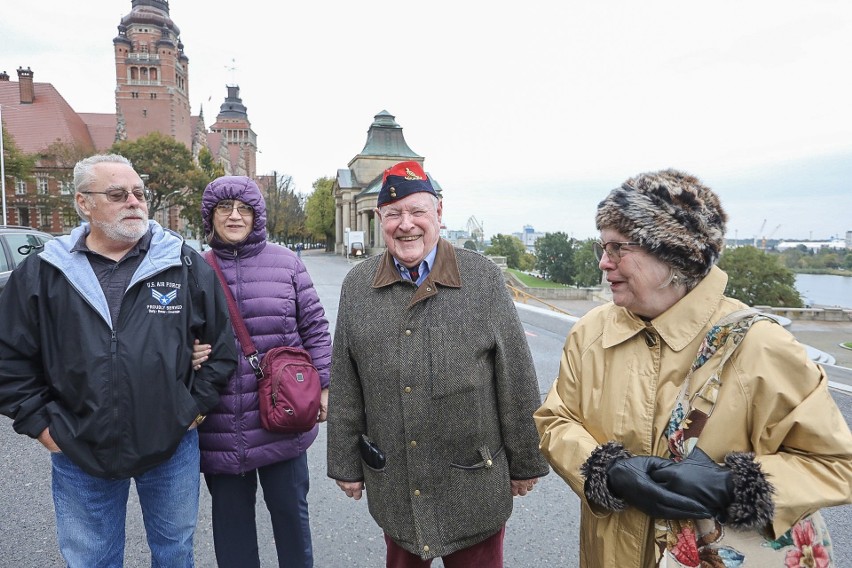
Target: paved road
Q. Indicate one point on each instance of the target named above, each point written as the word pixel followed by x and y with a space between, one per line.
pixel 542 531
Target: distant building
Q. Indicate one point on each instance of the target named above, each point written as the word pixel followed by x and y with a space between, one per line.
pixel 529 236
pixel 356 188
pixel 151 95
pixel 457 237
pixel 816 246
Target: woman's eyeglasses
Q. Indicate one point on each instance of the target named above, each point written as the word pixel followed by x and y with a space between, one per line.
pixel 224 209
pixel 116 195
pixel 612 249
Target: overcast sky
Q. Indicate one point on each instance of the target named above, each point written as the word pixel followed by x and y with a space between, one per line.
pixel 526 112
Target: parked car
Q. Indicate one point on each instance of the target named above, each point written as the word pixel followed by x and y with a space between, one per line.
pixel 16 243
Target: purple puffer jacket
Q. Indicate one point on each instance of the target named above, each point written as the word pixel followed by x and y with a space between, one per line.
pixel 280 306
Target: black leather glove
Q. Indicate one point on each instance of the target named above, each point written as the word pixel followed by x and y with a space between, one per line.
pixel 631 479
pixel 699 478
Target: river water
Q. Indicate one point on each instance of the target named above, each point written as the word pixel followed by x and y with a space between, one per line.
pixel 825 289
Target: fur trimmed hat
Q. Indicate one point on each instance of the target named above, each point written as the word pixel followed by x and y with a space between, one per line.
pixel 401 180
pixel 672 215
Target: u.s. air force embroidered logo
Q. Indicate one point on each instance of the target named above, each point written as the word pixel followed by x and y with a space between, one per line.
pixel 164 299
pixel 166 296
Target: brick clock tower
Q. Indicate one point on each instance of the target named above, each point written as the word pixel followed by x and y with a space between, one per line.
pixel 152 75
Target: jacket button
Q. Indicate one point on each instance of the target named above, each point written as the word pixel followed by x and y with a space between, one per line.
pixel 428 288
pixel 417 493
pixel 407 332
pixel 426 548
pixel 413 443
pixel 407 389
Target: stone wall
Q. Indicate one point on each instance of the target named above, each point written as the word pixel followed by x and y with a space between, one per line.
pixel 561 293
pixel 813 314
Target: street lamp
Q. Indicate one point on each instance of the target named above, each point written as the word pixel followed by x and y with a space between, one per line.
pixel 2 166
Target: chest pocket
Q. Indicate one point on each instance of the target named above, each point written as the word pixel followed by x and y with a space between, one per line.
pixel 458 362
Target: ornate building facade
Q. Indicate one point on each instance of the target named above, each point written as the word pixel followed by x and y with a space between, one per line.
pixel 151 95
pixel 356 188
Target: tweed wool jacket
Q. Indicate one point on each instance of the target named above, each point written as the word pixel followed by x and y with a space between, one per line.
pixel 440 377
pixel 619 378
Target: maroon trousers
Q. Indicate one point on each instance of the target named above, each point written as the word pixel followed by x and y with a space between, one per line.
pixel 485 554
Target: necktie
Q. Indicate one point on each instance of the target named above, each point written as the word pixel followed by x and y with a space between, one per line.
pixel 414 274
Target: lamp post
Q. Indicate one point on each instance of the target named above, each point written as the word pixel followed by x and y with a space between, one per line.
pixel 2 166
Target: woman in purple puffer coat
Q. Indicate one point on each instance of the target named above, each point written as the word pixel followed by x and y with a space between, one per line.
pixel 279 305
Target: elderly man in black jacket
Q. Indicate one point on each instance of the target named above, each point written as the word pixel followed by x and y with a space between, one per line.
pixel 432 389
pixel 95 362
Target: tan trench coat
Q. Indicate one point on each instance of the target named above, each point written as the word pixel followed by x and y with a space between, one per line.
pixel 618 380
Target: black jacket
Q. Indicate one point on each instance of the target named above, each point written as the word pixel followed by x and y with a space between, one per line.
pixel 117 401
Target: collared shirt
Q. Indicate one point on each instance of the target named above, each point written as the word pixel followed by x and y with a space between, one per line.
pixel 115 276
pixel 423 270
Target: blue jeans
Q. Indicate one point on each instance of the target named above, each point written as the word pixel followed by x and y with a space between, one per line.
pixel 91 511
pixel 285 491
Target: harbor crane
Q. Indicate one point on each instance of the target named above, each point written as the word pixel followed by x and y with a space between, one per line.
pixel 767 237
pixel 477 234
pixel 760 232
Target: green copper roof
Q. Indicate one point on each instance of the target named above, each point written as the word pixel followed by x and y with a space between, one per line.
pixel 385 138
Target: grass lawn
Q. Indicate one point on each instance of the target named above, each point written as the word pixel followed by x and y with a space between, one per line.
pixel 847 345
pixel 533 282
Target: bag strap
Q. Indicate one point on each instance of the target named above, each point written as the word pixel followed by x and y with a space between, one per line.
pixel 726 334
pixel 246 343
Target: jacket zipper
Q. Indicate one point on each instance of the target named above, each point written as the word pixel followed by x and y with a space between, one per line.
pixel 238 424
pixel 113 352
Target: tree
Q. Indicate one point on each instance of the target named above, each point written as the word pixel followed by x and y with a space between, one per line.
pixel 209 165
pixel 470 245
pixel 59 158
pixel 170 170
pixel 319 212
pixel 285 209
pixel 586 269
pixel 555 257
pixel 16 163
pixel 509 246
pixel 759 279
pixel 190 201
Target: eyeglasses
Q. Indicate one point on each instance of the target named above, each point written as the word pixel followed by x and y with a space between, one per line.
pixel 225 208
pixel 612 249
pixel 121 195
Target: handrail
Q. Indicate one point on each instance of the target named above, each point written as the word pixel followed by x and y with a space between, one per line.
pixel 519 294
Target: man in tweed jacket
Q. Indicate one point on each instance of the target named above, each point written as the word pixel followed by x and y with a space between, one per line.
pixel 431 363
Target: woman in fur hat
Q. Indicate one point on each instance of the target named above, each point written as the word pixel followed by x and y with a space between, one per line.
pixel 677 415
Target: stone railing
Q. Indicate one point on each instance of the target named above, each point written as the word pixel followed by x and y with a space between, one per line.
pixel 560 293
pixel 813 314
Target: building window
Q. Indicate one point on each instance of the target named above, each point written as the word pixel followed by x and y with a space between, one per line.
pixel 66 187
pixel 134 95
pixel 144 112
pixel 153 95
pixel 69 220
pixel 20 186
pixel 23 216
pixel 41 185
pixel 44 219
pixel 134 73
